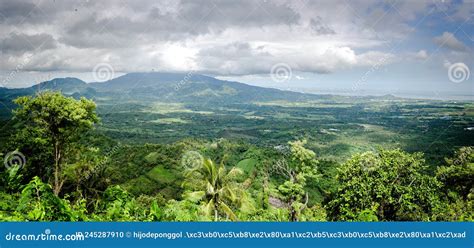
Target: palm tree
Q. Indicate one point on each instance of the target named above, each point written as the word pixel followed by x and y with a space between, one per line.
pixel 212 185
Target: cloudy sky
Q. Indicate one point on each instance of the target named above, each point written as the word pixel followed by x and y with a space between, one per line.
pixel 353 46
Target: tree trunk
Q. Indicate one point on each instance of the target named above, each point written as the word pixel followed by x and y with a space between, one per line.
pixel 293 214
pixel 57 166
pixel 216 207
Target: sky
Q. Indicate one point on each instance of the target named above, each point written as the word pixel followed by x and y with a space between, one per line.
pixel 424 47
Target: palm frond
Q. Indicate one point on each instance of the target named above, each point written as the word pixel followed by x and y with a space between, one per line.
pixel 234 172
pixel 226 209
pixel 208 208
pixel 210 190
pixel 195 196
pixel 228 193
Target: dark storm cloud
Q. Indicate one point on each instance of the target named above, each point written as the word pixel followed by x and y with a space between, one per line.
pixel 132 31
pixel 238 13
pixel 319 27
pixel 21 43
pixel 190 18
pixel 19 11
pixel 224 37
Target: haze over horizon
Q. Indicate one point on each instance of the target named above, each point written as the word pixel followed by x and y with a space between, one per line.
pixel 351 47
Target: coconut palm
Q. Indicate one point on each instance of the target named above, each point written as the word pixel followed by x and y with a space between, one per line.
pixel 215 188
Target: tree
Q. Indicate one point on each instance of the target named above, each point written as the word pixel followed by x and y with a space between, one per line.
pixel 58 121
pixel 214 187
pixel 82 173
pixel 301 166
pixel 388 185
pixel 458 175
pixel 457 178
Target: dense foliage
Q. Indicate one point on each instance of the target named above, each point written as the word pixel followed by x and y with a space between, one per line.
pixel 388 185
pixel 72 172
pixel 55 121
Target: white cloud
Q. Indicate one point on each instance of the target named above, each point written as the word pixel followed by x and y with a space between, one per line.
pixel 448 40
pixel 422 55
pixel 223 38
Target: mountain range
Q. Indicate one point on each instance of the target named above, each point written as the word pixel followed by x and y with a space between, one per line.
pixel 167 87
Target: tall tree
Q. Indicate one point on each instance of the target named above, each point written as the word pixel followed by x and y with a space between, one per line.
pixel 299 167
pixel 59 121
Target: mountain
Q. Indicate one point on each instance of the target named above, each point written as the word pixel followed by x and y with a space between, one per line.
pixel 181 87
pixel 151 79
pixel 67 85
pixel 151 87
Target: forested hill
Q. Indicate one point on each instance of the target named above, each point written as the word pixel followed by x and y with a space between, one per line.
pixel 172 87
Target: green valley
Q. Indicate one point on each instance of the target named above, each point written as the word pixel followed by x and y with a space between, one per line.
pixel 209 149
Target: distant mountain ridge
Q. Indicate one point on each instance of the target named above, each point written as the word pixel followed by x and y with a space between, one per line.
pixel 151 79
pixel 68 84
pixel 163 86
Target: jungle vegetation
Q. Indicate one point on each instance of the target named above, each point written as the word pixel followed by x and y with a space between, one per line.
pixel 63 163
